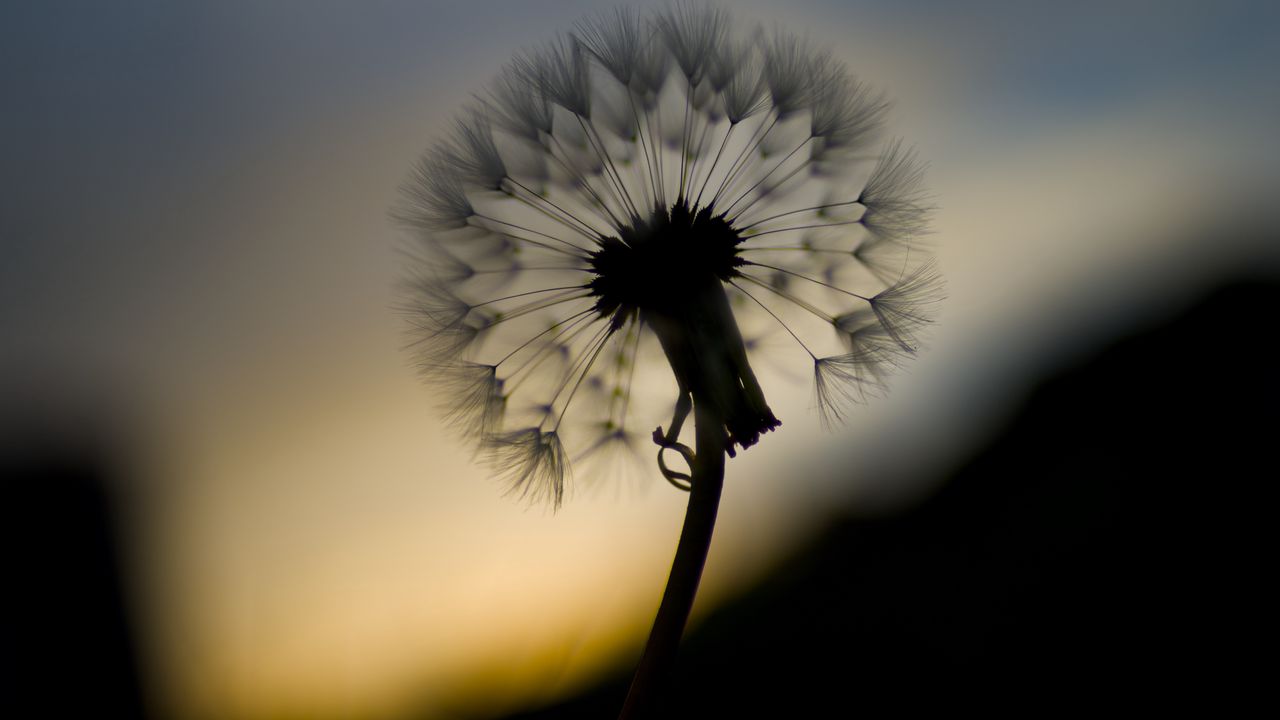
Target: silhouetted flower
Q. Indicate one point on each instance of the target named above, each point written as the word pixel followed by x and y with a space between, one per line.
pixel 661 176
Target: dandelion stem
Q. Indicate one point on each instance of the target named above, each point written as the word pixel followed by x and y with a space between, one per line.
pixel 684 135
pixel 532 307
pixel 622 184
pixel 535 268
pixel 757 184
pixel 644 147
pixel 800 248
pixel 564 338
pixel 659 150
pixel 594 350
pixel 772 187
pixel 812 280
pixel 614 184
pixel 589 232
pixel 744 228
pixel 801 227
pixel 526 294
pixel 553 327
pixel 775 315
pixel 578 252
pixel 631 372
pixel 715 162
pixel 740 164
pixel 762 195
pixel 697 154
pixel 654 672
pixel 805 305
pixel 583 186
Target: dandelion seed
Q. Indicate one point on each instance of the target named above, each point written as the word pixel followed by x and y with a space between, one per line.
pixel 616 41
pixel 518 107
pixel 434 197
pixel 789 71
pixel 692 33
pixel 559 71
pixel 846 116
pixel 842 380
pixel 473 156
pixel 744 90
pixel 476 402
pixel 532 461
pixel 905 307
pixel 895 204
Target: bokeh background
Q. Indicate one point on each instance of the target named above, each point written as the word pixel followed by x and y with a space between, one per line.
pixel 233 498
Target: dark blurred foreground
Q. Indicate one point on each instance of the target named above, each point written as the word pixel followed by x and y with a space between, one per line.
pixel 1111 549
pixel 67 643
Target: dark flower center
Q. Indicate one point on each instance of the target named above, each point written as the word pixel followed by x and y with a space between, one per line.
pixel 670 271
pixel 659 265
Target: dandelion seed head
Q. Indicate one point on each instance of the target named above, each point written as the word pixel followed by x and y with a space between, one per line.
pixel 637 204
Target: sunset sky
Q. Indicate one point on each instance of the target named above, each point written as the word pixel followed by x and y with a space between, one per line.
pixel 198 254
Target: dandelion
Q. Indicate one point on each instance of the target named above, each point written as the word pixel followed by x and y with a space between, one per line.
pixel 614 209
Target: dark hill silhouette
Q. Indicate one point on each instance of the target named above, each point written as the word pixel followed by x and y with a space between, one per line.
pixel 1109 549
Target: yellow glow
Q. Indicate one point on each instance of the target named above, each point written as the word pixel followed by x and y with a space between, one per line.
pixel 351 561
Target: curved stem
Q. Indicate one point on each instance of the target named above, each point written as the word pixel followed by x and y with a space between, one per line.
pixel 654 673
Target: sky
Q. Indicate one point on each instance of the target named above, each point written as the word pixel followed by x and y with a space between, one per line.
pixel 198 255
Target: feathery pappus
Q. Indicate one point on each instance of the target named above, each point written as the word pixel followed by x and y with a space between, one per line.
pixel 660 198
